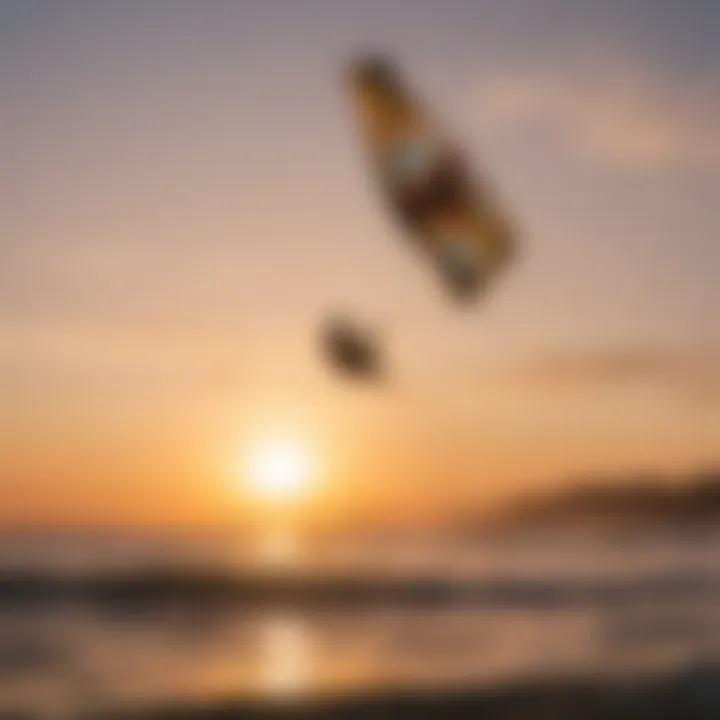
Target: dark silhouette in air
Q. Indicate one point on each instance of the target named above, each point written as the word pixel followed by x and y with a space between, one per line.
pixel 351 350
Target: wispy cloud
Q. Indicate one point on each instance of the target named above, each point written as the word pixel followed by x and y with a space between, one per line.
pixel 609 111
pixel 695 374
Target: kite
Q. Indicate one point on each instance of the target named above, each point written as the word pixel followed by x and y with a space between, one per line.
pixel 453 221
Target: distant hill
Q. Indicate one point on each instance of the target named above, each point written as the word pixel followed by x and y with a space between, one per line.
pixel 662 500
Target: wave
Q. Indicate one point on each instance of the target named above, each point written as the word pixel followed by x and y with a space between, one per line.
pixel 155 587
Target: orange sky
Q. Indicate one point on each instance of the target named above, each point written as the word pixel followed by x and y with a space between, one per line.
pixel 184 199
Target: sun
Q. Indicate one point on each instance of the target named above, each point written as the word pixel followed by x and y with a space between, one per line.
pixel 279 470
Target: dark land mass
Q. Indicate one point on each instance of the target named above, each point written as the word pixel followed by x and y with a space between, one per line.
pixel 640 501
pixel 692 695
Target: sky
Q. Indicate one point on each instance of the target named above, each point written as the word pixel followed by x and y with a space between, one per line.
pixel 183 197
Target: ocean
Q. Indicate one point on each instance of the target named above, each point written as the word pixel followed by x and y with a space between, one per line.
pixel 95 624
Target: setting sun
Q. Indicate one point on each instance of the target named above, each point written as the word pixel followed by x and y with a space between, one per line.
pixel 279 470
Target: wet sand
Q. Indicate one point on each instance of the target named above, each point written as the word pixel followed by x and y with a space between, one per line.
pixel 692 695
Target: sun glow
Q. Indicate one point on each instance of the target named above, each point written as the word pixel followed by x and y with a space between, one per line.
pixel 279 471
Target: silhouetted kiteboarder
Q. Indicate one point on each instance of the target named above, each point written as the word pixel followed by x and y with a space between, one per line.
pixel 351 350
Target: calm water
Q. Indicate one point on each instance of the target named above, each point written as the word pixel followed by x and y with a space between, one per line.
pixel 647 604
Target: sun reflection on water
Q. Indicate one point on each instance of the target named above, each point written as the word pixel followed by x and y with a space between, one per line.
pixel 286 662
pixel 285 642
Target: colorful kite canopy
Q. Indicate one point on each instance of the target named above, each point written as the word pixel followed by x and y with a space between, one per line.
pixel 447 215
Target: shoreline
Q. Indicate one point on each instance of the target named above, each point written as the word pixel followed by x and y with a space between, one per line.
pixel 693 694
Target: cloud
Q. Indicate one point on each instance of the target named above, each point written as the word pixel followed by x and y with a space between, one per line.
pixel 695 374
pixel 610 112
